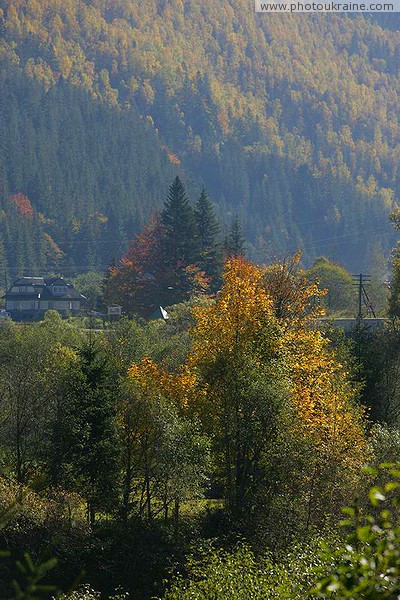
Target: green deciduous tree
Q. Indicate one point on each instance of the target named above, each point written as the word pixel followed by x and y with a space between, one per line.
pixel 31 361
pixel 166 456
pixel 90 285
pixel 341 295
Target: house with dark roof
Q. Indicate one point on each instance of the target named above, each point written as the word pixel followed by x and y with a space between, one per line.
pixel 30 297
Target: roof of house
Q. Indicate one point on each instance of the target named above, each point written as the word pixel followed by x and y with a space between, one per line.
pixel 70 294
pixel 16 296
pixel 159 313
pixel 29 281
pixel 42 289
pixel 59 281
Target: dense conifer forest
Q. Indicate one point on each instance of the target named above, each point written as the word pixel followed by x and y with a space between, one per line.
pixel 291 124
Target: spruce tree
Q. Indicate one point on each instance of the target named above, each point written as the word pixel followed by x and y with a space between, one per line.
pixel 83 452
pixel 179 224
pixel 234 244
pixel 207 230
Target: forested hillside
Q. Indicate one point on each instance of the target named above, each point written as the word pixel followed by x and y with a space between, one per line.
pixel 291 123
pixel 88 176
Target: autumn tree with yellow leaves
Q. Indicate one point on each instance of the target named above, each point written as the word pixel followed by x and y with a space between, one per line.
pixel 324 398
pixel 165 454
pixel 275 386
pixel 265 383
pixel 329 419
pixel 236 354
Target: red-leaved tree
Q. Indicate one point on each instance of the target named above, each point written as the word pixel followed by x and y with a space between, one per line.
pixel 146 279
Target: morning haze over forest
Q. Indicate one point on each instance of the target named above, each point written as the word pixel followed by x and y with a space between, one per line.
pixel 200 281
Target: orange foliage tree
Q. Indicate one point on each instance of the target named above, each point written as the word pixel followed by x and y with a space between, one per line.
pixel 133 283
pixel 270 392
pixel 180 388
pixel 23 205
pixel 323 393
pixel 262 326
pixel 236 353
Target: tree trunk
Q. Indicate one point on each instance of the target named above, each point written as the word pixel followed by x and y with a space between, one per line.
pixel 176 511
pixel 91 514
pixel 127 485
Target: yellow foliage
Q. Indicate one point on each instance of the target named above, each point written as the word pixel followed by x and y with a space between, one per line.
pixel 240 312
pixel 323 398
pixel 304 63
pixel 180 387
pixel 250 299
pixel 53 246
pixel 236 325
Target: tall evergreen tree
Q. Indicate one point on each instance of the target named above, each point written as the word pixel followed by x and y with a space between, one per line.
pixel 179 222
pixel 84 444
pixel 234 244
pixel 207 230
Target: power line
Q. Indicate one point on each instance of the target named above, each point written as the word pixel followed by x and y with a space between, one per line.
pixel 351 235
pixel 363 299
pixel 327 242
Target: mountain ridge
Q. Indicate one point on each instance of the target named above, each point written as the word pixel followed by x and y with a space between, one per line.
pixel 289 121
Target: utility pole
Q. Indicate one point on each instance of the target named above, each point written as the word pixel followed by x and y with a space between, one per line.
pixel 363 298
pixel 360 288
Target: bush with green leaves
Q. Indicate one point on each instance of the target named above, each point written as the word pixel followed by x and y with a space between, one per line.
pixel 236 575
pixel 217 574
pixel 366 565
pixel 85 592
pixel 370 566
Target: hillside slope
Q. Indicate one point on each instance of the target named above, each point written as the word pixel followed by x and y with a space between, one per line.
pixel 290 121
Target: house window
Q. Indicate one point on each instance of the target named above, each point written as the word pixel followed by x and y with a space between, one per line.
pixel 32 305
pixel 21 289
pixel 59 290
